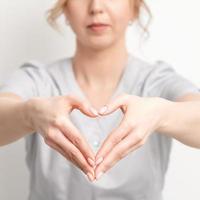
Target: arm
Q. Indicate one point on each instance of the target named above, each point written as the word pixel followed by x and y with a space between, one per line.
pixel 181 120
pixel 13 120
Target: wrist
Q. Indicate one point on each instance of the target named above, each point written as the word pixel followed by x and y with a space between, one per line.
pixel 166 112
pixel 27 115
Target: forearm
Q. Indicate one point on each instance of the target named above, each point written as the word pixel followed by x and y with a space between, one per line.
pixel 181 120
pixel 13 121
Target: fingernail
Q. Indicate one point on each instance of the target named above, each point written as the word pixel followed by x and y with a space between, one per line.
pixel 99 175
pixel 90 177
pixel 94 111
pixel 91 162
pixel 103 109
pixel 99 160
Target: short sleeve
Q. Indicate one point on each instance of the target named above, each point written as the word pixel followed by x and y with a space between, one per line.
pixel 25 80
pixel 164 81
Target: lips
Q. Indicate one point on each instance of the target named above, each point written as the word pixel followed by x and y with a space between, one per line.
pixel 97 25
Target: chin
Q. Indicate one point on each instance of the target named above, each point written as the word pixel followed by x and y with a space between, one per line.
pixel 99 44
pixel 99 47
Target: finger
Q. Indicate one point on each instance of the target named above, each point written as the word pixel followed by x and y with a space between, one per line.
pixel 73 134
pixel 83 105
pixel 113 139
pixel 120 102
pixel 122 149
pixel 55 146
pixel 71 152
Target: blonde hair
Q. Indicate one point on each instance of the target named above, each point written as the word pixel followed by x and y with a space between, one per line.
pixel 54 13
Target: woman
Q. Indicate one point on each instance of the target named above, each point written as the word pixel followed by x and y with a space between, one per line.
pixel 58 108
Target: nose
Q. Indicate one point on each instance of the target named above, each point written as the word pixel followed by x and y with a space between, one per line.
pixel 95 7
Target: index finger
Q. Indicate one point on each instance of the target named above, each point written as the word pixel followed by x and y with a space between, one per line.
pixel 78 139
pixel 63 145
pixel 113 139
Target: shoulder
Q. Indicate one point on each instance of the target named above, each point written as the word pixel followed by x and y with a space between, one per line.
pixel 147 64
pixel 42 69
pixel 149 68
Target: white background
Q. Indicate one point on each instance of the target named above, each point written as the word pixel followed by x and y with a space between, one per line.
pixel 25 35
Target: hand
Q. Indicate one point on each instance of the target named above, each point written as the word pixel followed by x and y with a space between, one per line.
pixel 142 116
pixel 49 117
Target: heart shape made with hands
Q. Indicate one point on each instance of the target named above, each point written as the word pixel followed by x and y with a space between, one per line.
pixel 138 122
pixel 101 113
pixel 97 146
pixel 107 109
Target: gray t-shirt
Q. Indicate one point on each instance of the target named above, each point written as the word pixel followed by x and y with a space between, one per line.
pixel 138 176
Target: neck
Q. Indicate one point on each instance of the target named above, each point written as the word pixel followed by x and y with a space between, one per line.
pixel 100 68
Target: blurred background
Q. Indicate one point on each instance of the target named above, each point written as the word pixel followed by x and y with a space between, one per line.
pixel 174 37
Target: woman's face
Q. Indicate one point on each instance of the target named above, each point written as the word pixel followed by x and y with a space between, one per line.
pixel 115 13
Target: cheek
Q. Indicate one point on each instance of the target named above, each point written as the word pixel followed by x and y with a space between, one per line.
pixel 120 16
pixel 120 24
pixel 75 14
pixel 77 23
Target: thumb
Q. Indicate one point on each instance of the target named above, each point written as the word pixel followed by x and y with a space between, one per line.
pixel 83 105
pixel 119 102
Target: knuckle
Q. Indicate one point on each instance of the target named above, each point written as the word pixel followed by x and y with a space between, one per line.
pixel 84 168
pixel 119 155
pixel 76 141
pixel 57 121
pixel 142 142
pixel 47 134
pixel 72 160
pixel 107 166
pixel 124 155
pixel 129 125
pixel 139 138
pixel 72 154
pixel 84 165
pixel 114 140
pixel 51 136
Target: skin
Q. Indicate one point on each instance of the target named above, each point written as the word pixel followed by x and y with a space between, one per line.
pixel 107 50
pixel 178 119
pixel 108 53
pixel 51 120
pixel 142 115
